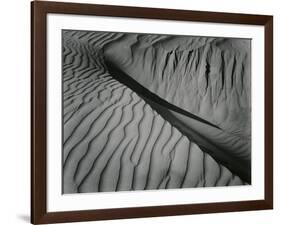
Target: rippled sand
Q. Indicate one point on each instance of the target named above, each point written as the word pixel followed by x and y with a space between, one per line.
pixel 154 111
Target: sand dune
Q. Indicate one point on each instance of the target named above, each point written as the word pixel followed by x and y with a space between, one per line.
pixel 196 133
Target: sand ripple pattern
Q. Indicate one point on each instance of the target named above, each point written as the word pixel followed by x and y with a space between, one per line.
pixel 113 139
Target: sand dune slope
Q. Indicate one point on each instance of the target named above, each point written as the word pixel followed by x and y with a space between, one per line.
pixel 117 139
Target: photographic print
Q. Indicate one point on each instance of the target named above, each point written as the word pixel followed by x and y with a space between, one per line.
pixel 153 111
pixel 146 112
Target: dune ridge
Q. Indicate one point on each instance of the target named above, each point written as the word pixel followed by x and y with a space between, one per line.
pixel 116 140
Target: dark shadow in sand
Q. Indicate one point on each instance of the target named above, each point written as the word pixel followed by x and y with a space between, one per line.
pixel 240 167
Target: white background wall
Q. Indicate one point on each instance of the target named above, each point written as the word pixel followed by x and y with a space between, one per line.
pixel 15 110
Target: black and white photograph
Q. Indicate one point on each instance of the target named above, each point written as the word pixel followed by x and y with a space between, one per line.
pixel 149 111
pixel 154 111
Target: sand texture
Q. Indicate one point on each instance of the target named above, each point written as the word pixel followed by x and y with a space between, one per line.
pixel 145 112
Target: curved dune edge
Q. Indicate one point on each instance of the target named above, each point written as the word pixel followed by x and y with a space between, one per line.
pixel 225 147
pixel 103 150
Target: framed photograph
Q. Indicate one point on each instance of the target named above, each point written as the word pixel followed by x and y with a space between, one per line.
pixel 143 112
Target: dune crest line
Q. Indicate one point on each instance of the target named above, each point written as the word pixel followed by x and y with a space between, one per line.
pixel 135 106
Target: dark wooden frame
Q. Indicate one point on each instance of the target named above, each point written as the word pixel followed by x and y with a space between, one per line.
pixel 39 11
